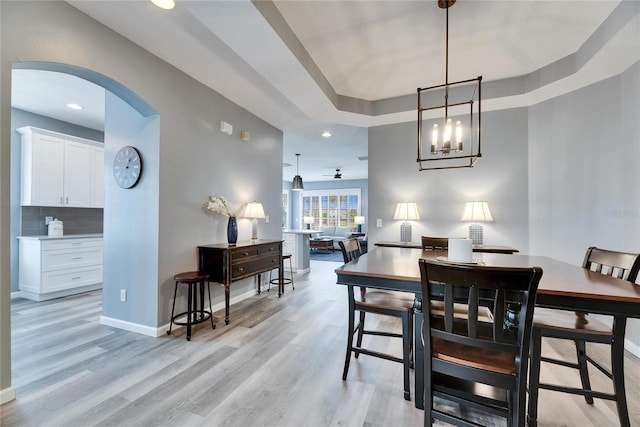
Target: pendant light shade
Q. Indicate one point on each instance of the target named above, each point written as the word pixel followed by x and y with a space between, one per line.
pixel 297 180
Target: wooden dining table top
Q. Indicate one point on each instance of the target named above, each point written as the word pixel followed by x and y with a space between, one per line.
pixel 562 285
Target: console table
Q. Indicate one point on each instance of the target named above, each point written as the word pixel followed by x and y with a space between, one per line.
pixel 491 249
pixel 226 263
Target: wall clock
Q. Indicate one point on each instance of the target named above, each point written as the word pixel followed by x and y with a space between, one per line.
pixel 127 167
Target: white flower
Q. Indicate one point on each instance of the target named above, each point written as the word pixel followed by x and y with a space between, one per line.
pixel 220 206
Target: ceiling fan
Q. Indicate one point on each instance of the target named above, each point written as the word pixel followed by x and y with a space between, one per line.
pixel 338 174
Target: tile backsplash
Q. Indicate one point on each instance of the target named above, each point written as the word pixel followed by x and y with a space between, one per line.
pixel 75 220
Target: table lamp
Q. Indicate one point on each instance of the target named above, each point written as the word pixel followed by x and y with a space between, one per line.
pixel 359 220
pixel 406 211
pixel 254 210
pixel 307 220
pixel 476 212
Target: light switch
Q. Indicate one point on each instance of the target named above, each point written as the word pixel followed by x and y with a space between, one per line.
pixel 379 222
pixel 266 219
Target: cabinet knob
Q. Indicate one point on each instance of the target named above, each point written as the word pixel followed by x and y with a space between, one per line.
pixel 241 269
pixel 245 253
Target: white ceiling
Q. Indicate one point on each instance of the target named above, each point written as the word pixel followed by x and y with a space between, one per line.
pixel 343 66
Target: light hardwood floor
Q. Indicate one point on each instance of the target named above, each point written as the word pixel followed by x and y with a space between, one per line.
pixel 279 363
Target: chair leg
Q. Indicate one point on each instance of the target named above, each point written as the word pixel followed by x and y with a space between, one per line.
pixel 407 319
pixel 617 369
pixel 350 327
pixel 175 292
pixel 291 273
pixel 360 332
pixel 534 376
pixel 213 326
pixel 581 352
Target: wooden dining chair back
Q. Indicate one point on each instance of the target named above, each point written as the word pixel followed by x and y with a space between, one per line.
pixel 435 243
pixel 351 249
pixel 470 361
pixel 581 329
pixel 387 303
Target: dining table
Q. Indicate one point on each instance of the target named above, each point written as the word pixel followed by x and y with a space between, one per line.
pixel 562 286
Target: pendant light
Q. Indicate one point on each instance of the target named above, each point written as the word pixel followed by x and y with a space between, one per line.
pixel 452 148
pixel 297 180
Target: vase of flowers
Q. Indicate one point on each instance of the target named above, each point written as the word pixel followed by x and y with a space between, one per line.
pixel 220 206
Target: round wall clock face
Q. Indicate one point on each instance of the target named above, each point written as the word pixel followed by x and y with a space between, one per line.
pixel 127 167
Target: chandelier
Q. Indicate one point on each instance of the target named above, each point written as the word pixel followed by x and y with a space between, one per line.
pixel 458 145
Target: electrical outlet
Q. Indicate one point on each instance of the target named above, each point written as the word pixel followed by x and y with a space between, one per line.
pixel 123 295
pixel 47 220
pixel 266 219
pixel 379 222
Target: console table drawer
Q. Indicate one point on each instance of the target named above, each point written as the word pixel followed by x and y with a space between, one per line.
pixel 244 253
pixel 253 267
pixel 269 249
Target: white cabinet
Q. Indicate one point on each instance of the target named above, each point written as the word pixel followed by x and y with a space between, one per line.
pixel 296 243
pixel 55 267
pixel 60 170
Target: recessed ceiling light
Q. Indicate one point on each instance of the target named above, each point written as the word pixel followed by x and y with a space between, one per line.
pixel 164 4
pixel 326 134
pixel 75 106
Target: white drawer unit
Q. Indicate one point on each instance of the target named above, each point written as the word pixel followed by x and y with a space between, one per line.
pixel 55 267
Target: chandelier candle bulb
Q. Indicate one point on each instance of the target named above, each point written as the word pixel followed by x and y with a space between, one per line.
pixel 434 139
pixel 458 136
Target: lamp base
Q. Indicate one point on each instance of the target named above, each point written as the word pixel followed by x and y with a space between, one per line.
pixel 405 232
pixel 475 234
pixel 254 229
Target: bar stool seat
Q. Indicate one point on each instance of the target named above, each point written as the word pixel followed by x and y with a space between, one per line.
pixel 194 315
pixel 285 280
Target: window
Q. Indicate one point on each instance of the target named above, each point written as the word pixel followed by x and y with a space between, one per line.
pixel 332 206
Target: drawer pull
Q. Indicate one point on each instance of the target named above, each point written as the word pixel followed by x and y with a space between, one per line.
pixel 76 243
pixel 270 249
pixel 76 278
pixel 76 258
pixel 245 253
pixel 241 269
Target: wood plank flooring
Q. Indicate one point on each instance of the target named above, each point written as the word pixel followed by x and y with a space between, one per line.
pixel 278 363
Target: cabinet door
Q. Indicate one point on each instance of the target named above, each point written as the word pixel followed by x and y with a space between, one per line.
pixel 47 177
pixel 97 177
pixel 77 174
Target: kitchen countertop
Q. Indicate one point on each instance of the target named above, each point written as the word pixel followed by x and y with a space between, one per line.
pixel 66 236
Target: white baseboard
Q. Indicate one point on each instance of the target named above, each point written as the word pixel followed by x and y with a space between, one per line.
pixel 7 395
pixel 161 330
pixel 633 348
pixel 16 294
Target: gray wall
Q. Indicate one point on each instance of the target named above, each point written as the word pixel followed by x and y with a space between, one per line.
pixel 584 178
pixel 192 159
pixel 30 219
pixel 499 177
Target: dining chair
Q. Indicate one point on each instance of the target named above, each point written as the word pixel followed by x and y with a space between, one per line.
pixel 387 303
pixel 435 243
pixel 475 362
pixel 581 328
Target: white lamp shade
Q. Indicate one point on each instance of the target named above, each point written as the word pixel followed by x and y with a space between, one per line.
pixel 358 220
pixel 406 211
pixel 254 210
pixel 307 219
pixel 476 212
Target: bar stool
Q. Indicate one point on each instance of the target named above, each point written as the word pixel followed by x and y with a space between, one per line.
pixel 285 280
pixel 192 279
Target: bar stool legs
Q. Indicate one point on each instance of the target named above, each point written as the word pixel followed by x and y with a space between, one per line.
pixel 285 280
pixel 193 280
